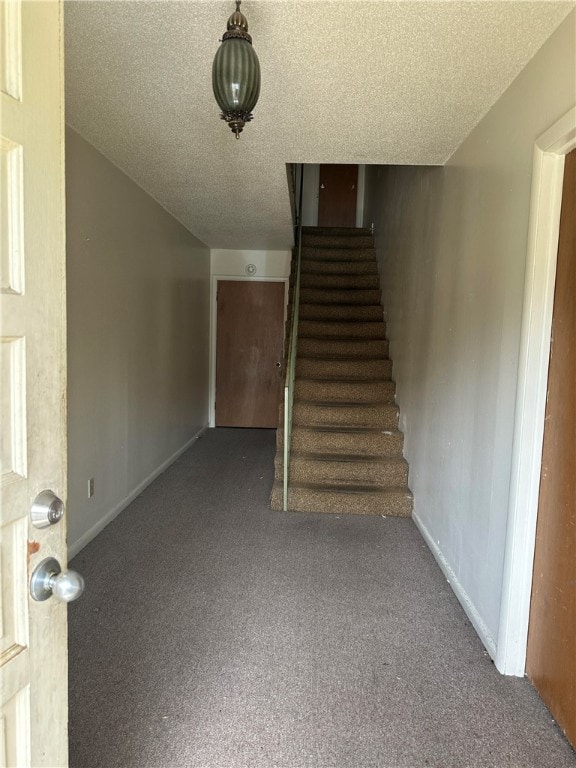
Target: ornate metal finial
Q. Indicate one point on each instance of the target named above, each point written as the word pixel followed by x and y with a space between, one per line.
pixel 237 26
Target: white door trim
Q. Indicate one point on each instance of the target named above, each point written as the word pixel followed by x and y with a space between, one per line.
pixel 547 177
pixel 213 320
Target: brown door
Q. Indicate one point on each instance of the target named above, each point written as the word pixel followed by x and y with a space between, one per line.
pixel 551 657
pixel 337 195
pixel 249 353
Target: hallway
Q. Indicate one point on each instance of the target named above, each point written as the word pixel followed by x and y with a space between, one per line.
pixel 214 633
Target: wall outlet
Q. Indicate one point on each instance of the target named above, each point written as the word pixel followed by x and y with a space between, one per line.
pixel 90 487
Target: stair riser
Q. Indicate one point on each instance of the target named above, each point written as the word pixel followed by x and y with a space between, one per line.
pixel 345 391
pixel 394 503
pixel 325 296
pixel 333 241
pixel 340 281
pixel 381 416
pixel 340 231
pixel 311 266
pixel 336 254
pixel 391 473
pixel 328 348
pixel 338 369
pixel 358 313
pixel 386 443
pixel 362 330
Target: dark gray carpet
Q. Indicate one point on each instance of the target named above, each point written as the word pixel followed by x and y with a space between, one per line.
pixel 215 633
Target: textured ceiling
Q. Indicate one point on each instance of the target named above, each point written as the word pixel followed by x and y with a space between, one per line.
pixel 342 82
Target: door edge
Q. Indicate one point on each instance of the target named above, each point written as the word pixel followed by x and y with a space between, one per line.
pixel 544 224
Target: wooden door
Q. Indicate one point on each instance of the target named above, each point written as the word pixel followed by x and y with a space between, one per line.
pixel 33 651
pixel 337 195
pixel 249 353
pixel 551 655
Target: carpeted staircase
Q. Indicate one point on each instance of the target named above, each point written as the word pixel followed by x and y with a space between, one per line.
pixel 346 453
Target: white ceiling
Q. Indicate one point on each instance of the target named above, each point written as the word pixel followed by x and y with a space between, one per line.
pixel 352 81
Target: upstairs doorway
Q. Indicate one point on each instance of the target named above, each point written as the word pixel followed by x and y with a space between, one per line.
pixel 337 195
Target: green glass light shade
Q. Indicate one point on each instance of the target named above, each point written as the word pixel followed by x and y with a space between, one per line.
pixel 236 74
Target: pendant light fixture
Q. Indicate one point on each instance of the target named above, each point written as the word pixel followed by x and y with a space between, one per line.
pixel 236 73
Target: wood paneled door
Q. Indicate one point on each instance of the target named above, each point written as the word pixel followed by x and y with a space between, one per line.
pixel 338 190
pixel 249 353
pixel 33 635
pixel 551 656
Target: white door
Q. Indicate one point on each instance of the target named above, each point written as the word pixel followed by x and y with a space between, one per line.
pixel 33 656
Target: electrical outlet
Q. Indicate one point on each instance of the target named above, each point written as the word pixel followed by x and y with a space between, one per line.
pixel 90 487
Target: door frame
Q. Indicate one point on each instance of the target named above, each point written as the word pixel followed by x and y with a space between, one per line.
pixel 213 328
pixel 544 224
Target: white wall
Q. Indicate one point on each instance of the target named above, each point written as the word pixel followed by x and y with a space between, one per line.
pixel 138 338
pixel 452 246
pixel 234 263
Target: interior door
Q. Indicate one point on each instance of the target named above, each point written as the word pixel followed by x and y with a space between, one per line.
pixel 33 656
pixel 249 353
pixel 337 195
pixel 551 655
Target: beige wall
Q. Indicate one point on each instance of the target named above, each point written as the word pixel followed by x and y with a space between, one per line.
pixel 233 263
pixel 452 245
pixel 138 338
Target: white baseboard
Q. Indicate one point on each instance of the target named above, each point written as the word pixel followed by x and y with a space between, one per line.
pixel 467 604
pixel 87 537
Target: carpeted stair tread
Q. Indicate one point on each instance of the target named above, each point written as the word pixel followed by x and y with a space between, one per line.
pixel 341 312
pixel 342 348
pixel 339 282
pixel 345 390
pixel 326 267
pixel 342 329
pixel 347 500
pixel 337 241
pixel 351 458
pixel 340 296
pixel 340 231
pixel 334 440
pixel 383 415
pixel 336 254
pixel 351 367
pixel 315 468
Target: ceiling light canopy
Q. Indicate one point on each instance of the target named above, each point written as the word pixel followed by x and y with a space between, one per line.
pixel 236 73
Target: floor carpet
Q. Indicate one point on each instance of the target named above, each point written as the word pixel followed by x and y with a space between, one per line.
pixel 214 633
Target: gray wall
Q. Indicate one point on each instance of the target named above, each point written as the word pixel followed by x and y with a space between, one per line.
pixel 452 246
pixel 138 288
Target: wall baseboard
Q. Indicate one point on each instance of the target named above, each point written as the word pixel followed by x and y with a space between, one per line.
pixel 75 547
pixel 463 598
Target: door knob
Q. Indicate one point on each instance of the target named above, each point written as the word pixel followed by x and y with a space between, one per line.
pixel 278 365
pixel 322 186
pixel 48 580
